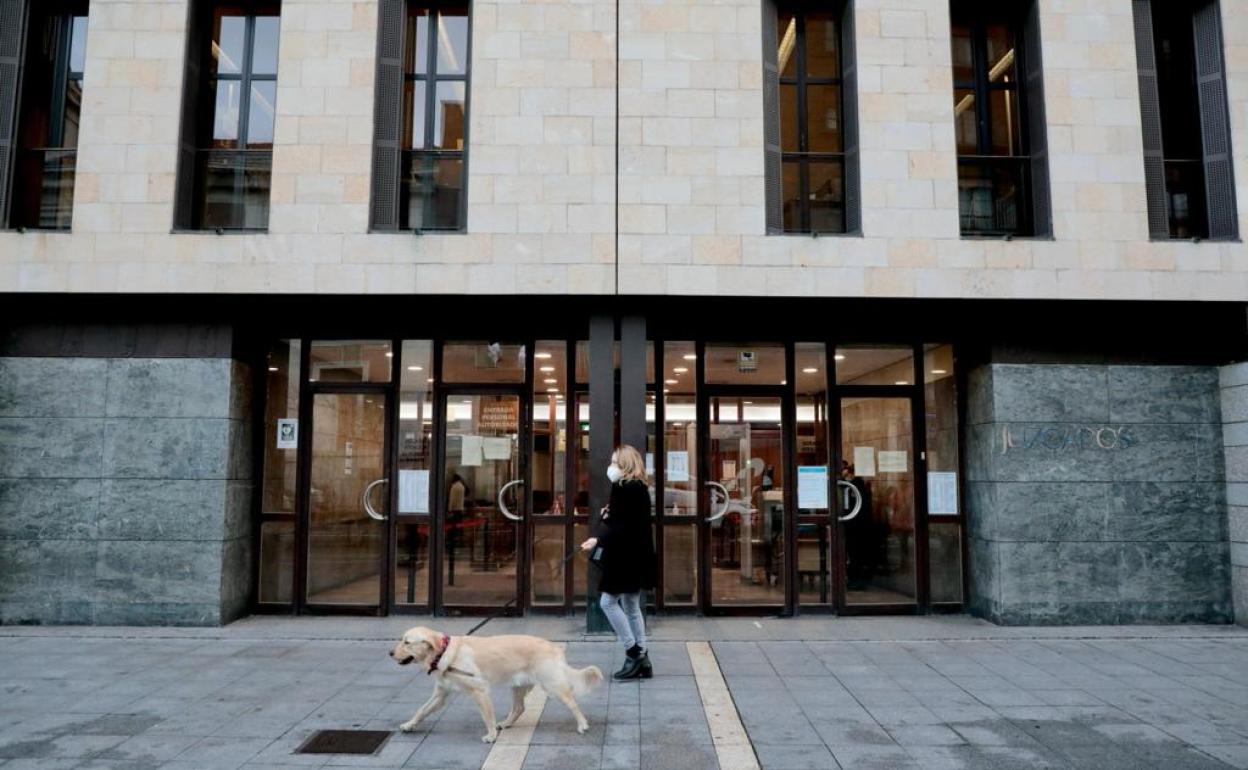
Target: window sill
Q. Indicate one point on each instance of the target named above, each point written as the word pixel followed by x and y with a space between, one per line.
pixel 458 231
pixel 816 234
pixel 1005 237
pixel 1196 241
pixel 218 231
pixel 39 230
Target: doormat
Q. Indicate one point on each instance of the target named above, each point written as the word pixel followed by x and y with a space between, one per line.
pixel 344 742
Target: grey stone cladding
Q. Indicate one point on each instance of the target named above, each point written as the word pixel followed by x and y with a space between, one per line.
pixel 1097 494
pixel 125 490
pixel 1234 383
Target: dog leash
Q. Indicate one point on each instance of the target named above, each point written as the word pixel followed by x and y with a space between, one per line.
pixel 512 600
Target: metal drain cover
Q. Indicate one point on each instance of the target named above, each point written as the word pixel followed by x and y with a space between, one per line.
pixel 344 742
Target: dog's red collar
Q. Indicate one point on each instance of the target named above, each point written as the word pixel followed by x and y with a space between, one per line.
pixel 433 664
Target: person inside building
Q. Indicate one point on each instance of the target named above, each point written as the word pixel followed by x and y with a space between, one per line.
pixel 624 551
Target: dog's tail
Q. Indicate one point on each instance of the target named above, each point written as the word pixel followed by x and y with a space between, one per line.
pixel 584 679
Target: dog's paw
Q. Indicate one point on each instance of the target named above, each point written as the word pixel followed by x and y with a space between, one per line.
pixel 582 728
pixel 408 727
pixel 489 737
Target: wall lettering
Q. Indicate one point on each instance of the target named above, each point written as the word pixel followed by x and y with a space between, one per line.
pixel 1065 438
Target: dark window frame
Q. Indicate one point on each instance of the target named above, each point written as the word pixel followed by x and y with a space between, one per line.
pixel 978 17
pixel 201 83
pixel 62 75
pixel 804 157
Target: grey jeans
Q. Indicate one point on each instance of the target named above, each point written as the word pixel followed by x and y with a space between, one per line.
pixel 623 611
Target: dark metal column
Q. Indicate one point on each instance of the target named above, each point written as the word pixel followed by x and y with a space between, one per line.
pixel 633 382
pixel 601 440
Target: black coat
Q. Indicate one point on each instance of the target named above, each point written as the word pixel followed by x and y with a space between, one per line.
pixel 628 561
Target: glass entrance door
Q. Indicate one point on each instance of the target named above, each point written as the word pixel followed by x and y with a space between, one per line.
pixel 483 501
pixel 744 509
pixel 876 503
pixel 348 499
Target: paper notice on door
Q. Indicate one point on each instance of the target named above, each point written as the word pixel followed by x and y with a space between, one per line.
pixel 864 461
pixel 470 453
pixel 894 461
pixel 677 466
pixel 942 494
pixel 649 463
pixel 812 487
pixel 288 434
pixel 413 491
pixel 497 448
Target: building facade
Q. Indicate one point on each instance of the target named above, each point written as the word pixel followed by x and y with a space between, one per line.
pixel 335 306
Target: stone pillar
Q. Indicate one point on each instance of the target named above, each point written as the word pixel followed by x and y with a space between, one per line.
pixel 125 489
pixel 1235 440
pixel 1096 494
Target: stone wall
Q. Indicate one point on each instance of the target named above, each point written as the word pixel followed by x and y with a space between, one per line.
pixel 1096 494
pixel 1235 440
pixel 125 490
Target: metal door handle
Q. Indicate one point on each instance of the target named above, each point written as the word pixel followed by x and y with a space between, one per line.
pixel 502 506
pixel 368 505
pixel 857 498
pixel 724 491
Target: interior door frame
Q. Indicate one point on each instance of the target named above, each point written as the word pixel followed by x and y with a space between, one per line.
pixel 914 392
pixel 308 392
pixel 705 393
pixel 437 528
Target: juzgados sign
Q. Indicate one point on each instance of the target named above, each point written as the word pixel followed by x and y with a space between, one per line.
pixel 1066 437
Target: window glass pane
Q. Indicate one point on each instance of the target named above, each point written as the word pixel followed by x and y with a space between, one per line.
pixel 550 428
pixel 746 364
pixel 73 111
pixel 963 58
pixel 256 176
pixel 281 427
pixel 228 42
pixel 680 564
pixel 791 195
pixel 448 117
pixel 786 54
pixel 680 493
pixel 1001 65
pixel 1004 122
pixel 1185 199
pixel 432 189
pixel 483 362
pixel 453 41
pixel 415 433
pixel 277 562
pixel 78 44
pixel 874 365
pixel 416 52
pixel 788 119
pixel 945 555
pixel 548 566
pixel 811 368
pixel 411 568
pixel 264 46
pixel 964 121
pixel 823 118
pixel 822 46
pixel 226 113
pixel 414 114
pixel 827 197
pixel 260 116
pixel 350 361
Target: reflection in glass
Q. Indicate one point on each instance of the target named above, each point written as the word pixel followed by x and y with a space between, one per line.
pixel 874 365
pixel 483 457
pixel 277 562
pixel 1000 51
pixel 745 504
pixel 879 541
pixel 78 44
pixel 827 196
pixel 963 56
pixel 791 176
pixel 788 119
pixel 226 114
pixel 345 543
pixel 548 568
pixel 448 120
pixel 264 46
pixel 483 362
pixel 680 564
pixel 1006 130
pixel 281 402
pixel 745 364
pixel 823 118
pixel 786 55
pixel 432 193
pixel 452 41
pixel 350 361
pixel 232 189
pixel 680 431
pixel 965 118
pixel 944 532
pixel 550 429
pixel 411 567
pixel 228 44
pixel 416 53
pixel 260 119
pixel 822 46
pixel 414 115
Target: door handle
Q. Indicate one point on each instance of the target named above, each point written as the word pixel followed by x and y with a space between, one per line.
pixel 857 498
pixel 724 491
pixel 368 505
pixel 502 506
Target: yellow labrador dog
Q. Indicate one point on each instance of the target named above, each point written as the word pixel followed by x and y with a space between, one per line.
pixel 470 664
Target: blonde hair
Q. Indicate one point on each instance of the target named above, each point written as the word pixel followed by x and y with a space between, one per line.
pixel 630 462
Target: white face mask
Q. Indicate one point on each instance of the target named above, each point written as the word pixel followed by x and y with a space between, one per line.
pixel 614 473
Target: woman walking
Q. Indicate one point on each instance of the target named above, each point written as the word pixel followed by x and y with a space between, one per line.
pixel 624 550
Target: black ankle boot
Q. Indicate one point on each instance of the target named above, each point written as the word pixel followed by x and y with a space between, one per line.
pixel 647 670
pixel 632 664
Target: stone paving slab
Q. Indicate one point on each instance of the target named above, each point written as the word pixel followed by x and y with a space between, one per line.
pixel 879 695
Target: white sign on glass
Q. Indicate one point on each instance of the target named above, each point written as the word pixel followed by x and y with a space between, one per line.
pixel 497 448
pixel 288 434
pixel 864 461
pixel 812 487
pixel 470 453
pixel 677 466
pixel 413 491
pixel 894 461
pixel 942 493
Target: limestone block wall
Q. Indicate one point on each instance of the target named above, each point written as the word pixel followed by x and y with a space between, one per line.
pixel 125 490
pixel 1235 440
pixel 1096 494
pixel 544 214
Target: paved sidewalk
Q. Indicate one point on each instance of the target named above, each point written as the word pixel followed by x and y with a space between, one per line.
pixel 826 693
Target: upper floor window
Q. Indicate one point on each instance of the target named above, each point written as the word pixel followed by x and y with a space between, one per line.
pixel 51 77
pixel 229 106
pixel 421 127
pixel 999 119
pixel 810 119
pixel 1187 157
